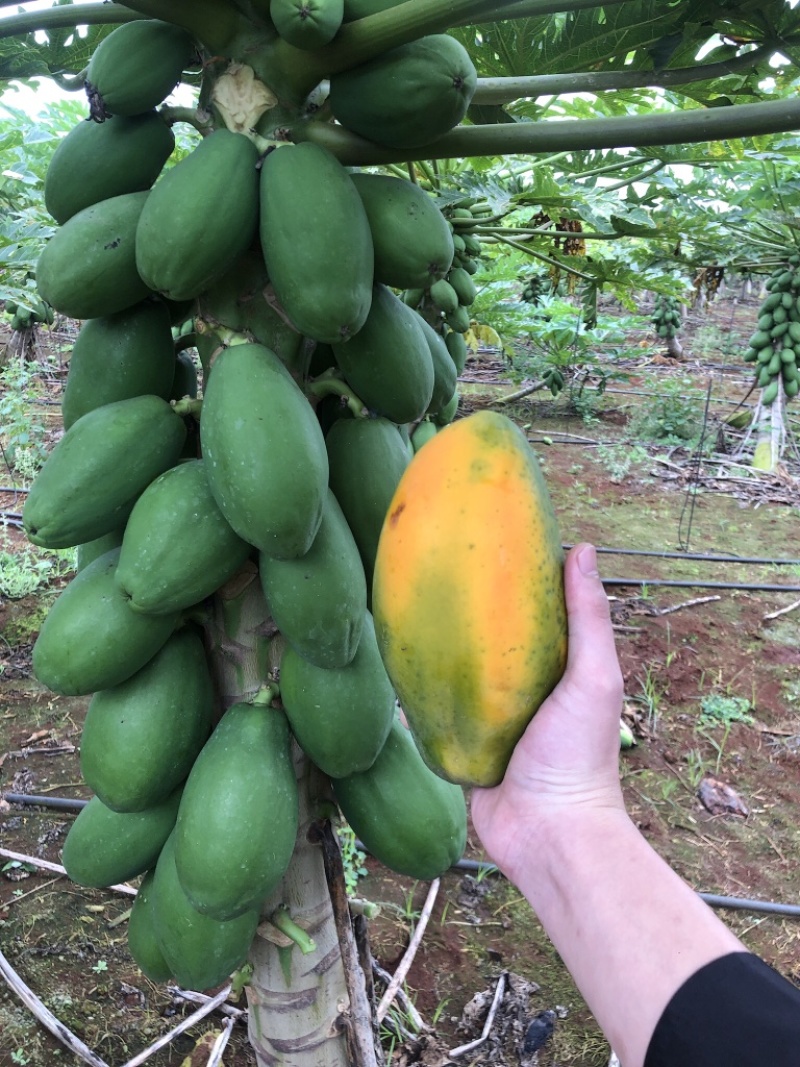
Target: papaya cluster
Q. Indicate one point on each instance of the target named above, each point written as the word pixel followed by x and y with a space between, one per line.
pixel 775 346
pixel 314 373
pixel 666 316
pixel 534 287
pixel 25 318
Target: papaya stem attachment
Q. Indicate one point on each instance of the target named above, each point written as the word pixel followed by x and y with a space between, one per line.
pixel 282 920
pixel 266 694
pixel 191 115
pixel 324 386
pixel 188 406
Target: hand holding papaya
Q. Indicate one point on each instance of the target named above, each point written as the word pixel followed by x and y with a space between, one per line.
pixel 566 761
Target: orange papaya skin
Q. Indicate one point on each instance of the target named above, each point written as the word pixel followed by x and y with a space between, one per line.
pixel 468 596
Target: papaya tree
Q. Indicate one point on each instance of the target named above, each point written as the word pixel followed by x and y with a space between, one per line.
pixel 227 528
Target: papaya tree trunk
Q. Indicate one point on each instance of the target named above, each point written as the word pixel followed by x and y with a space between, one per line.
pixel 770 432
pixel 305 1011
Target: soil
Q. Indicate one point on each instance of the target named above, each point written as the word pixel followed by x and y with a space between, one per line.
pixel 712 696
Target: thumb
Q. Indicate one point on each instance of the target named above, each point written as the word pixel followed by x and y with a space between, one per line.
pixel 592 654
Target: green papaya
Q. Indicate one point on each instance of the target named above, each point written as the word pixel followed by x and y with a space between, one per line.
pixel 792 388
pixel 770 393
pixel 341 716
pixel 457 347
pixel 91 639
pixel 200 217
pixel 444 371
pixel 105 847
pixel 97 160
pixel 459 320
pixel 264 452
pixel 88 267
pixel 184 382
pixel 142 941
pixel 408 96
pixel 464 286
pixel 367 458
pixel 413 243
pixel 318 601
pixel 136 66
pixel 444 296
pixel 238 817
pixel 118 357
pixel 161 570
pixel 448 412
pixel 238 300
pixel 411 820
pixel 200 951
pixel 310 213
pixel 307 24
pixel 423 433
pixel 90 481
pixel 388 363
pixel 141 737
pixel 90 551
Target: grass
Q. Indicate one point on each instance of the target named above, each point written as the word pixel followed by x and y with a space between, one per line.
pixel 26 570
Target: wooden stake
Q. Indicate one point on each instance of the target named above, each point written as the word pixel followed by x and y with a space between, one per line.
pixel 411 951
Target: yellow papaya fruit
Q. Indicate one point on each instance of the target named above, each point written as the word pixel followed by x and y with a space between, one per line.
pixel 471 536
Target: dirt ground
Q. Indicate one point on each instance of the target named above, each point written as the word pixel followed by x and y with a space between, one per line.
pixel 712 695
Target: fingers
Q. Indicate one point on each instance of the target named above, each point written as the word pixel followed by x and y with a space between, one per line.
pixel 592 655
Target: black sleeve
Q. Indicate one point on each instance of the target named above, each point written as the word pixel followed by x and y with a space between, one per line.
pixel 734 1012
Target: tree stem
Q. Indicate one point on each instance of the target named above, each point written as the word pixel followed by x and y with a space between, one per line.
pixel 505 90
pixel 55 18
pixel 521 138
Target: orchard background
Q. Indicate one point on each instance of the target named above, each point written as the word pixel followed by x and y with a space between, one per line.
pixel 634 166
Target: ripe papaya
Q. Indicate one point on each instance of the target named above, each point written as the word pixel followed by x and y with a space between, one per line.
pixel 200 217
pixel 142 941
pixel 200 951
pixel 471 534
pixel 141 737
pixel 388 363
pixel 263 451
pixel 238 300
pixel 104 847
pixel 407 817
pixel 310 212
pixel 413 243
pixel 88 267
pixel 408 96
pixel 91 639
pixel 91 479
pixel 318 601
pixel 307 24
pixel 367 459
pixel 444 371
pixel 136 66
pixel 245 766
pixel 161 570
pixel 118 357
pixel 342 716
pixel 98 160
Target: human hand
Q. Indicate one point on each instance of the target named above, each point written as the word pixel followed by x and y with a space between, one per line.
pixel 566 763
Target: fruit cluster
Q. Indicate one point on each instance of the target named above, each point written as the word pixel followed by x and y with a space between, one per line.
pixel 314 373
pixel 775 346
pixel 666 316
pixel 25 318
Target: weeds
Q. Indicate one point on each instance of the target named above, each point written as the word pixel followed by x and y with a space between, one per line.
pixel 619 458
pixel 352 857
pixel 672 417
pixel 22 433
pixel 28 570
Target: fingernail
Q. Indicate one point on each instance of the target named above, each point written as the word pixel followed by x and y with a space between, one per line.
pixel 587 562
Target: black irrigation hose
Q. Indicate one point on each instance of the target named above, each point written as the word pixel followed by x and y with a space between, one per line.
pixel 476 866
pixel 680 583
pixel 705 557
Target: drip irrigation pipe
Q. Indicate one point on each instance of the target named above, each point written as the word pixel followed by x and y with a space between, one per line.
pixel 706 557
pixel 681 583
pixel 475 866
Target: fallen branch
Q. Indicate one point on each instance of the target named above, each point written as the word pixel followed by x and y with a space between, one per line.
pixel 58 869
pixel 687 604
pixel 36 889
pixel 187 1024
pixel 411 951
pixel 46 1017
pixel 402 999
pixel 783 611
pixel 201 998
pixel 215 1059
pixel 533 387
pixel 487 1026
